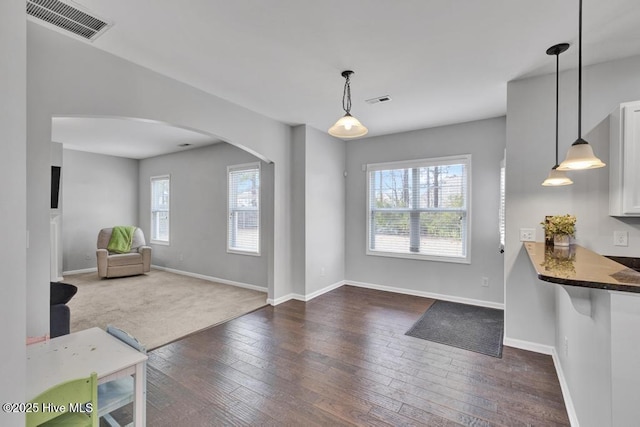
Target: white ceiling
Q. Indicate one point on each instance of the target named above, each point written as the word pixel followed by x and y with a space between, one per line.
pixel 441 61
pixel 131 138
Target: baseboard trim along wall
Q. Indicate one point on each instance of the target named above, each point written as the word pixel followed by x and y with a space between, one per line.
pixel 470 301
pixel 211 278
pixel 528 345
pixel 305 298
pixel 84 270
pixel 564 386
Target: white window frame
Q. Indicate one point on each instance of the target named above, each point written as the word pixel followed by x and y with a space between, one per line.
pixel 466 211
pixel 502 216
pixel 151 222
pixel 230 213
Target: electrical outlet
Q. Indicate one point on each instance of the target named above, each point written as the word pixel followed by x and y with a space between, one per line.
pixel 181 257
pixel 485 282
pixel 527 234
pixel 322 272
pixel 621 238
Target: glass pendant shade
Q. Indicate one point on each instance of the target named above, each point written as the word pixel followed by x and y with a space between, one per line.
pixel 348 127
pixel 557 178
pixel 580 156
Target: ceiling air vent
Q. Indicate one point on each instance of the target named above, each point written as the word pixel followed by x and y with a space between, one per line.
pixel 67 17
pixel 379 99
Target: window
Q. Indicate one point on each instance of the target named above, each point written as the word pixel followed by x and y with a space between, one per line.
pixel 420 209
pixel 160 189
pixel 243 231
pixel 501 210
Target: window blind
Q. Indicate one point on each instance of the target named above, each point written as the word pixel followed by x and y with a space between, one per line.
pixel 419 209
pixel 160 195
pixel 244 208
pixel 501 209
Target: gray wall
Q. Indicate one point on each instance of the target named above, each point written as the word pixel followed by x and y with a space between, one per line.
pixel 98 191
pixel 298 202
pixel 198 218
pixel 318 190
pixel 14 206
pixel 485 141
pixel 66 77
pixel 538 314
pixel 324 210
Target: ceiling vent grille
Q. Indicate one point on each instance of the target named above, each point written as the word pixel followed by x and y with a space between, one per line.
pixel 68 18
pixel 378 100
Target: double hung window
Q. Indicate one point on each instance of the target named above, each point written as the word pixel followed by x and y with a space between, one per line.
pixel 160 197
pixel 420 209
pixel 243 230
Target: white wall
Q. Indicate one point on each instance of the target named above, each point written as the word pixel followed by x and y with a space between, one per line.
pixel 198 218
pixel 69 78
pixel 298 202
pixel 13 208
pixel 324 210
pixel 318 210
pixel 98 191
pixel 538 315
pixel 485 141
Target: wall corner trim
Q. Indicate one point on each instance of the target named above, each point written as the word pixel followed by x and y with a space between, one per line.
pixel 305 298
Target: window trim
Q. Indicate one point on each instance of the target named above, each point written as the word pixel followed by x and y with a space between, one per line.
pixel 404 164
pixel 239 167
pixel 151 239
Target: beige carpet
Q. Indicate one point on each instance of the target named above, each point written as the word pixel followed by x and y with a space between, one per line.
pixel 157 307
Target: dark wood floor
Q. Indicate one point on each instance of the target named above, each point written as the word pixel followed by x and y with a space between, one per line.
pixel 343 359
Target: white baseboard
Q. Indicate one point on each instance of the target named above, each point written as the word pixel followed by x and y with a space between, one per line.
pixel 481 303
pixel 211 279
pixel 324 290
pixel 285 298
pixel 528 345
pixel 305 298
pixel 84 270
pixel 564 386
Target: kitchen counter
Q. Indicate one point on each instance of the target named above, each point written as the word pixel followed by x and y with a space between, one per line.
pixel 578 266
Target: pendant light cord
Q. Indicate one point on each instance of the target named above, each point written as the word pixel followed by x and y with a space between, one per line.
pixel 557 100
pixel 580 72
pixel 346 95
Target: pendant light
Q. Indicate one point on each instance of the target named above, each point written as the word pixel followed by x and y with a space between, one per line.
pixel 557 177
pixel 580 155
pixel 347 126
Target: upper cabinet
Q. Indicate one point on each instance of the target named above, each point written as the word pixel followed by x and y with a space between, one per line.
pixel 624 172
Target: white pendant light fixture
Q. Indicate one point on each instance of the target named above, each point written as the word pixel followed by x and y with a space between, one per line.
pixel 347 126
pixel 557 177
pixel 580 155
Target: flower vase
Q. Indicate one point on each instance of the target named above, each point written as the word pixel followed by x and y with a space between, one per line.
pixel 561 240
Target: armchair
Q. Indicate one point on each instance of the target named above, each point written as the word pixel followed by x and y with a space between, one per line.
pixel 137 261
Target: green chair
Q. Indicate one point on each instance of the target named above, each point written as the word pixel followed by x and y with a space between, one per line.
pixel 79 398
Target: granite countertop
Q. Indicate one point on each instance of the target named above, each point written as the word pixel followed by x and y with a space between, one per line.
pixel 578 266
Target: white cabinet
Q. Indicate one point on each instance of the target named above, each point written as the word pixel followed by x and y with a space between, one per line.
pixel 624 172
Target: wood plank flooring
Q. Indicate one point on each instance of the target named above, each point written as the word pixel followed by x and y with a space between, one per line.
pixel 343 359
